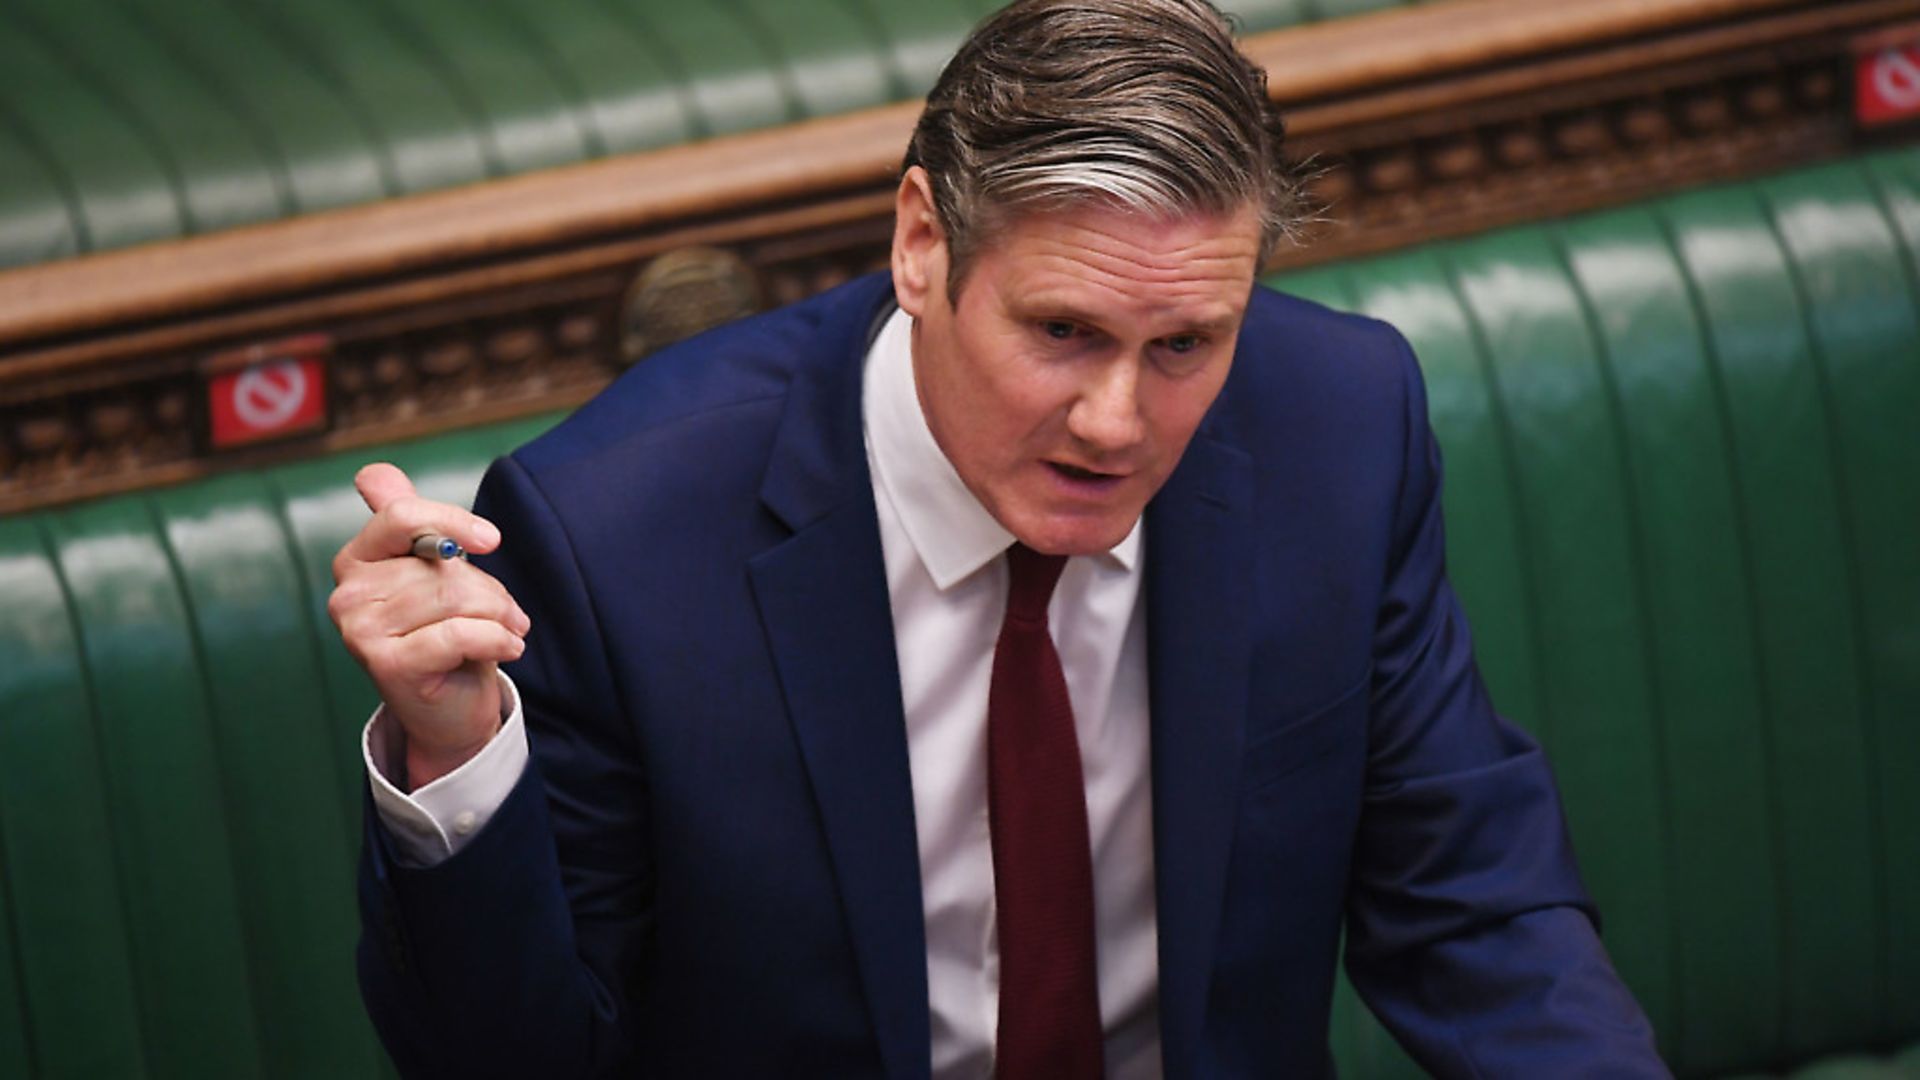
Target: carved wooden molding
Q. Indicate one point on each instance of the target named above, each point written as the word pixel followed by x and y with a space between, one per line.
pixel 1610 124
pixel 529 293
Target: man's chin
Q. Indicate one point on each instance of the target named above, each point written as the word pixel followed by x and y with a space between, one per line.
pixel 1075 534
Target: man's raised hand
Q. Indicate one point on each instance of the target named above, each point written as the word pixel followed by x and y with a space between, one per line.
pixel 430 632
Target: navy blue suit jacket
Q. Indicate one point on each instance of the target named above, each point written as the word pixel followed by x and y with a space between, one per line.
pixel 710 867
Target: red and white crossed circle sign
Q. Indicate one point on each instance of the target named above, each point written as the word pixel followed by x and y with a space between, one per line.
pixel 268 396
pixel 1887 85
pixel 285 393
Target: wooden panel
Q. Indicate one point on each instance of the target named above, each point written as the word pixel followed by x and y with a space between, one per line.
pixel 527 294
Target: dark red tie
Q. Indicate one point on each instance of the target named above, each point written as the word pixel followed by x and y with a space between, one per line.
pixel 1042 868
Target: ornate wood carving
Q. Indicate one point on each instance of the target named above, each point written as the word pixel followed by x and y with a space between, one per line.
pixel 1400 182
pixel 531 293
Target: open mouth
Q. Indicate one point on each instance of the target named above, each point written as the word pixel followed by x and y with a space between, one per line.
pixel 1084 476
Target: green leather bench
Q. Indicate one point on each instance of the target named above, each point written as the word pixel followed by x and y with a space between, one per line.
pixel 153 119
pixel 1683 450
pixel 1684 486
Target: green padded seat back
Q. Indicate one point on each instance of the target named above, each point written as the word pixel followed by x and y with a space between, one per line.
pixel 1683 481
pixel 168 795
pixel 312 140
pixel 116 188
pixel 290 836
pixel 220 171
pixel 40 221
pixel 180 781
pixel 75 1008
pixel 143 120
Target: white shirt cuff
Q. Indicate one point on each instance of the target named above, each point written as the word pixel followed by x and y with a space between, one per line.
pixel 436 820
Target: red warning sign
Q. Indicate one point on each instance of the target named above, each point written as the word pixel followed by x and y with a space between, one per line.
pixel 1887 84
pixel 280 391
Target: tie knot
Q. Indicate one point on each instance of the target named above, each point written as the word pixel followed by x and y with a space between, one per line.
pixel 1032 578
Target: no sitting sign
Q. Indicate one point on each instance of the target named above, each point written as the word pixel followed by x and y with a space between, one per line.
pixel 267 392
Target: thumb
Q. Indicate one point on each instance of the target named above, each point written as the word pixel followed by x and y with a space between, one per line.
pixel 381 483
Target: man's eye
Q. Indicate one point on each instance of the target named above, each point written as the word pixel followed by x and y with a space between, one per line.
pixel 1184 343
pixel 1058 331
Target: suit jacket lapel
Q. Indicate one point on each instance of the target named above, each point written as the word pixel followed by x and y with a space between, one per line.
pixel 823 600
pixel 1199 640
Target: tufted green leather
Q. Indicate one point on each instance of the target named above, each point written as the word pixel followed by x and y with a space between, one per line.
pixel 1683 484
pixel 127 121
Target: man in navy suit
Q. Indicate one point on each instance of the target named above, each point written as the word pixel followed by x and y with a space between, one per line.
pixel 1024 663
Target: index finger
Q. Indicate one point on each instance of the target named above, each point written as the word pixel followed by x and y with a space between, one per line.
pixel 401 516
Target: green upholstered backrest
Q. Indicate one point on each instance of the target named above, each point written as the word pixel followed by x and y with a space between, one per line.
pixel 126 121
pixel 1683 486
pixel 179 776
pixel 1683 490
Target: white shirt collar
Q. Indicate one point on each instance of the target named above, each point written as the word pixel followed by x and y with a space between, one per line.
pixel 949 529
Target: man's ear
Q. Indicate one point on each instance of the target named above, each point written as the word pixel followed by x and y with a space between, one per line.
pixel 919 244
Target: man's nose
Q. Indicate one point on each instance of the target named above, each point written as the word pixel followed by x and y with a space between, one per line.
pixel 1106 415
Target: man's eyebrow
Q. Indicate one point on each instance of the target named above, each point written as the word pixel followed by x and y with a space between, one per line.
pixel 1043 308
pixel 1216 325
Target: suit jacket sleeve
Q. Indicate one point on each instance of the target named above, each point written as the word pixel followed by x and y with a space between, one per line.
pixel 513 957
pixel 1469 933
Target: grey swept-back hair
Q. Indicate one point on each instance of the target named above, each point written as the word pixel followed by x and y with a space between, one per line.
pixel 1143 104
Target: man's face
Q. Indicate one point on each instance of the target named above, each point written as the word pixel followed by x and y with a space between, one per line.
pixel 1082 351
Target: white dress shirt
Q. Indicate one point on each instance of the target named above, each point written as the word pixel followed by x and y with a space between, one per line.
pixel 947 583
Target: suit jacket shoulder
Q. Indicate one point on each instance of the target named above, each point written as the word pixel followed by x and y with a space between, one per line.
pixel 1298 361
pixel 675 392
pixel 693 429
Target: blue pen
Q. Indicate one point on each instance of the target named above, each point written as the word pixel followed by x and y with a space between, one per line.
pixel 435 546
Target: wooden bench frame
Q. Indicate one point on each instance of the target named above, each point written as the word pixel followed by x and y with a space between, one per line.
pixel 528 294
